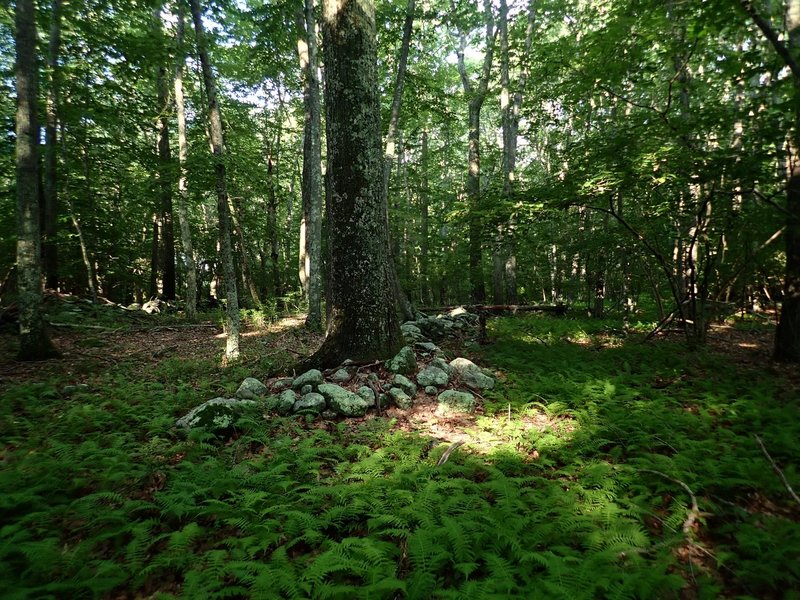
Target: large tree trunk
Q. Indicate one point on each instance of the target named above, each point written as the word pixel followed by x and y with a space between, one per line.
pixel 218 150
pixel 50 191
pixel 311 223
pixel 363 323
pixel 34 344
pixel 190 306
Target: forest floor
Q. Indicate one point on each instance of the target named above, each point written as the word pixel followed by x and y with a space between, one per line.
pixel 600 466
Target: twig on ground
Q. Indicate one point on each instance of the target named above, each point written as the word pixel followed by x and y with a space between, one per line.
pixel 777 470
pixel 694 513
pixel 448 452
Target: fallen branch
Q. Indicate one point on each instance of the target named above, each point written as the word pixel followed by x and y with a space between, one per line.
pixel 777 470
pixel 448 452
pixel 694 513
pixel 79 326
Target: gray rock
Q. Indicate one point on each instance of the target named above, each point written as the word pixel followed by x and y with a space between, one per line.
pixel 400 398
pixel 431 390
pixel 432 376
pixel 251 388
pixel 405 361
pixel 281 404
pixel 405 384
pixel 342 401
pixel 306 389
pixel 411 332
pixel 367 394
pixel 470 374
pixel 312 402
pixel 452 402
pixel 281 384
pixel 217 414
pixel 428 347
pixel 431 327
pixel 442 364
pixel 312 377
pixel 341 376
pixel 329 414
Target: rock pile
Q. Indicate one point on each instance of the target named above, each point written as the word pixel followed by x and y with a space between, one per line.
pixel 415 374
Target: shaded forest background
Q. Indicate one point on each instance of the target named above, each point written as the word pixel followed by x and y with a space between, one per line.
pixel 627 152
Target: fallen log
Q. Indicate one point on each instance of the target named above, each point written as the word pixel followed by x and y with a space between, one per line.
pixel 496 309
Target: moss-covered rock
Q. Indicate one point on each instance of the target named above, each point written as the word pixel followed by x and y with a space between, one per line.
pixel 281 404
pixel 404 362
pixel 311 377
pixel 217 415
pixel 470 374
pixel 344 402
pixel 453 402
pixel 432 376
pixel 251 388
pixel 405 384
pixel 310 403
pixel 400 398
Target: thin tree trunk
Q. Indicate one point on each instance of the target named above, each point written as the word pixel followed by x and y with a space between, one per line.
pixel 218 150
pixel 311 223
pixel 272 226
pixel 403 304
pixel 247 271
pixel 476 97
pixel 154 246
pixel 425 284
pixel 50 205
pixel 190 305
pixel 34 343
pixel 167 257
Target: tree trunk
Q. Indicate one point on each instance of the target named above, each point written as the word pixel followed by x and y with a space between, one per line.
pixel 363 323
pixel 50 191
pixel 34 343
pixel 477 285
pixel 190 306
pixel 272 225
pixel 311 223
pixel 167 257
pixel 218 150
pixel 425 284
pixel 787 335
pixel 403 304
pixel 476 97
pixel 154 245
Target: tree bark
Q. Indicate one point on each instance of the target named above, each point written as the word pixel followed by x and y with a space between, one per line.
pixel 476 97
pixel 311 223
pixel 50 191
pixel 34 343
pixel 167 255
pixel 425 284
pixel 403 303
pixel 218 150
pixel 190 305
pixel 363 323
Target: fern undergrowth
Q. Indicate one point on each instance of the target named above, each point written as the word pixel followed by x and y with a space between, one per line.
pixel 607 440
